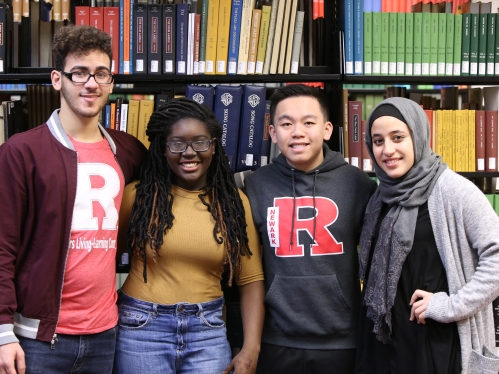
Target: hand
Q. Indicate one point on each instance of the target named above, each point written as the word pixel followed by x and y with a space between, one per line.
pixel 244 363
pixel 419 307
pixel 9 354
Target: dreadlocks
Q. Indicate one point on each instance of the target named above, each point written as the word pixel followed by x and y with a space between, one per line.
pixel 152 215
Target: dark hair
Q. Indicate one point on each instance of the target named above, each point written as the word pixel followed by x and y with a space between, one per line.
pixel 296 90
pixel 152 215
pixel 79 40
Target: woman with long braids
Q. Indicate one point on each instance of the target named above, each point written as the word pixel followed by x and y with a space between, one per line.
pixel 187 224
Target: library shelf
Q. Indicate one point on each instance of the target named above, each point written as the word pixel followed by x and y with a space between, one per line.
pixel 422 79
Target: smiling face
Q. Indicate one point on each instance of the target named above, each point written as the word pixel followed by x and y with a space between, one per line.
pixel 190 168
pixel 299 130
pixel 84 100
pixel 393 147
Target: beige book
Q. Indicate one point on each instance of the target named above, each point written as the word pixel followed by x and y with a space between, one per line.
pixel 146 107
pixel 17 8
pixel 211 36
pixel 65 9
pixel 291 34
pixel 253 43
pixel 25 8
pixel 263 37
pixel 284 38
pixel 270 39
pixel 244 36
pixel 277 37
pixel 133 117
pixel 57 10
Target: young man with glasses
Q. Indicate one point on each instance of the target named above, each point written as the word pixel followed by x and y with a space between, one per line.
pixel 61 191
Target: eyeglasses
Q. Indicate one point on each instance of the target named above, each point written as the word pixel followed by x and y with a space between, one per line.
pixel 82 77
pixel 197 145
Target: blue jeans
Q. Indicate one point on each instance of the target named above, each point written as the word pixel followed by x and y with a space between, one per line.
pixel 89 354
pixel 178 338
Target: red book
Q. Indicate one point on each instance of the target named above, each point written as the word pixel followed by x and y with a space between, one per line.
pixel 367 164
pixel 82 15
pixel 197 37
pixel 491 143
pixel 97 17
pixel 480 140
pixel 355 133
pixel 112 27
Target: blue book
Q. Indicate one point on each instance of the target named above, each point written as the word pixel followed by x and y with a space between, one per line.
pixel 266 141
pixel 235 30
pixel 140 42
pixel 154 34
pixel 227 110
pixel 181 38
pixel 131 36
pixel 349 57
pixel 169 17
pixel 201 94
pixel 106 114
pixel 202 36
pixel 251 128
pixel 358 39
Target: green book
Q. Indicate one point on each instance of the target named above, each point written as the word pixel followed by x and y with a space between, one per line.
pixel 496 197
pixel 449 44
pixel 465 46
pixel 496 58
pixel 392 44
pixel 369 104
pixel 491 42
pixel 474 35
pixel 400 43
pixel 482 43
pixel 458 39
pixel 377 43
pixel 425 43
pixel 442 42
pixel 434 43
pixel 490 197
pixel 418 43
pixel 409 43
pixel 368 43
pixel 385 42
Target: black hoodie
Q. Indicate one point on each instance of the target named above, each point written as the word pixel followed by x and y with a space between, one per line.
pixel 312 291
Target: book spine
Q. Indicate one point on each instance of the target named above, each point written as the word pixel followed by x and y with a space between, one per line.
pixel 123 117
pixel 264 159
pixel 227 109
pixel 366 158
pixel 82 15
pixel 270 39
pixel 126 37
pixel 458 43
pixel 409 43
pixel 349 55
pixel 400 44
pixel 190 43
pixel 376 35
pixel 297 38
pixel 197 40
pixel 169 17
pixel 418 43
pixel 354 131
pixel 3 28
pixel 235 30
pixel 491 39
pixel 201 94
pixel 244 37
pixel 140 40
pixel 496 55
pixel 449 44
pixel 385 43
pixel 434 37
pixel 251 128
pixel 182 24
pixel 224 19
pixel 277 38
pixel 284 37
pixel 133 117
pixel 392 43
pixel 291 35
pixel 111 27
pixel 211 36
pixel 368 43
pixel 441 43
pixel 263 37
pixel 474 35
pixel 491 141
pixel 96 17
pixel 482 43
pixel 253 46
pixel 471 139
pixel 202 41
pixel 121 58
pixel 358 42
pixel 154 38
pixel 465 46
pixel 130 37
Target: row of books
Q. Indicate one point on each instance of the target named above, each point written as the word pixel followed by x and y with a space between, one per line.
pixel 430 41
pixel 404 5
pixel 243 112
pixel 216 37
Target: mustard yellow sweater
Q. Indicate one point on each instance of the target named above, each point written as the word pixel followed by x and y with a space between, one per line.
pixel 190 265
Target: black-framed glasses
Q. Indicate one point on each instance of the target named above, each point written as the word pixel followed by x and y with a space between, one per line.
pixel 83 77
pixel 196 145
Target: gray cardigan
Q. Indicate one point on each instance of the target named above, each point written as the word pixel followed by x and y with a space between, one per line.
pixel 466 231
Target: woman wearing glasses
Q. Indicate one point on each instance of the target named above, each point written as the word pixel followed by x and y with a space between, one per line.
pixel 188 224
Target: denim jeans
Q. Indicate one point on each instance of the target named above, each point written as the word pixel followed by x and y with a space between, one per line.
pixel 82 354
pixel 178 338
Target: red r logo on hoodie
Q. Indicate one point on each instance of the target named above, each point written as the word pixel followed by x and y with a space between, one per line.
pixel 281 219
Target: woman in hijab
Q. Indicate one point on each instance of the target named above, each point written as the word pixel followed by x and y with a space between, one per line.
pixel 429 257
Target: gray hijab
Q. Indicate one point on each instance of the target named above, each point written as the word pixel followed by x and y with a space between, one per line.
pixel 403 195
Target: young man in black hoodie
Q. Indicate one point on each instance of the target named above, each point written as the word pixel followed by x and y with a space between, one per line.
pixel 308 207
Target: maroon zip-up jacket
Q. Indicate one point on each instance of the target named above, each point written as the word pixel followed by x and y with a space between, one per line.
pixel 38 171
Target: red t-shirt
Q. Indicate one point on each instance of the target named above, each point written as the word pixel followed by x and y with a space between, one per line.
pixel 89 292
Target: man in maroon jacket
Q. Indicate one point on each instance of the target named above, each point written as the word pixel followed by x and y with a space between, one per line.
pixel 61 188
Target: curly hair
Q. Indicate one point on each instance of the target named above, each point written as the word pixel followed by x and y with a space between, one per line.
pixel 79 40
pixel 152 214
